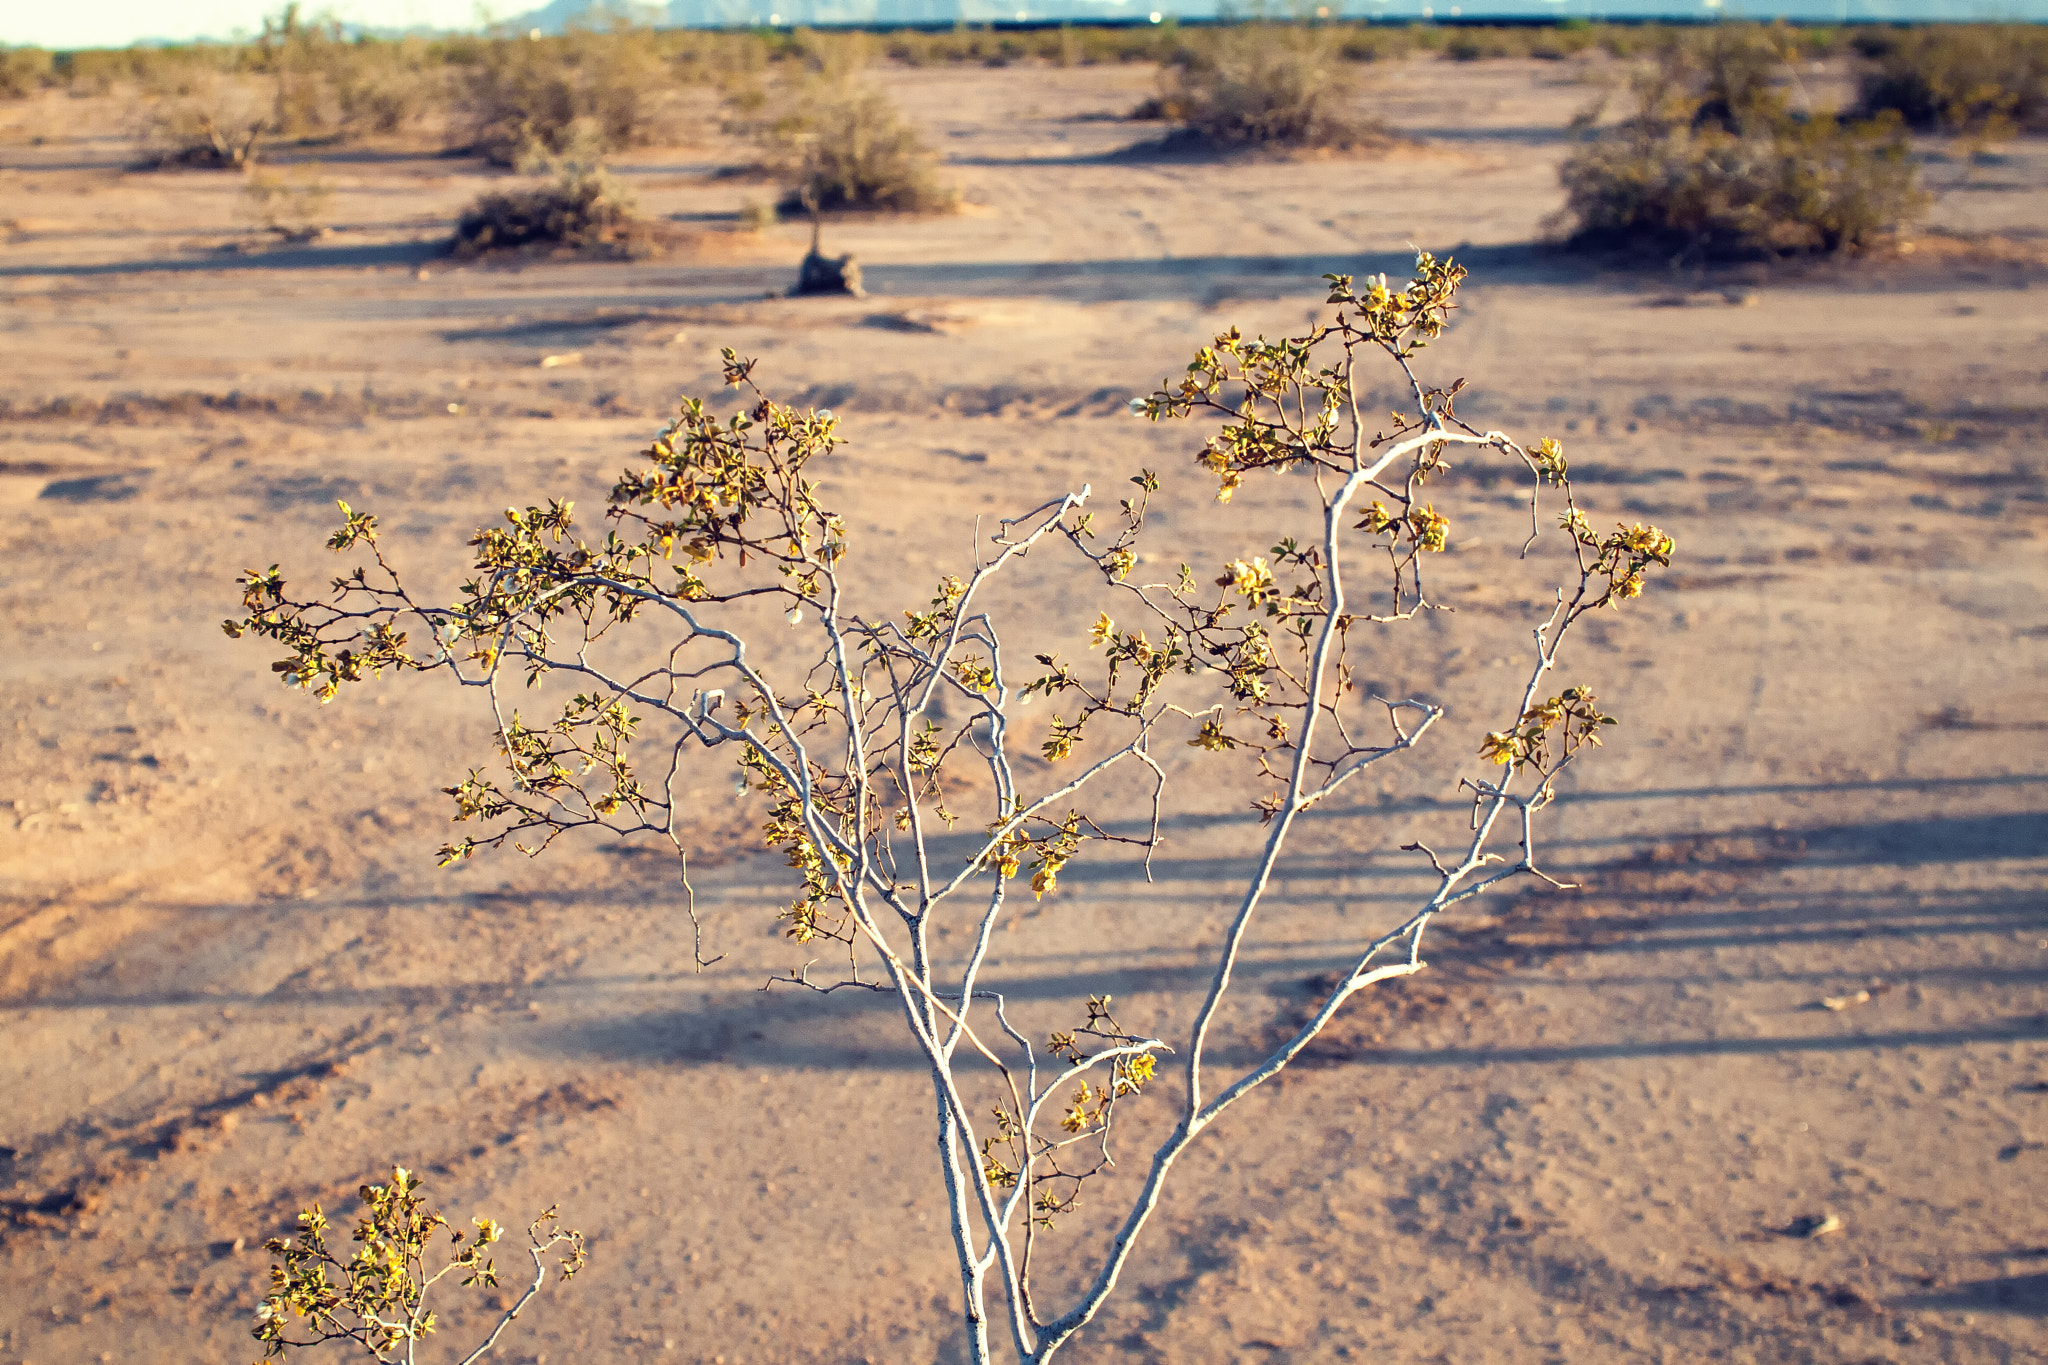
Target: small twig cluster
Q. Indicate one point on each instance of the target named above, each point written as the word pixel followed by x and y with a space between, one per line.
pixel 376 1297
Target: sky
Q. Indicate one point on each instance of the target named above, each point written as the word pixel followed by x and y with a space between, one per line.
pixel 117 23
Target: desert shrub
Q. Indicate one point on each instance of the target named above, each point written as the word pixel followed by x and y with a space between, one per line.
pixel 1267 85
pixel 580 208
pixel 843 144
pixel 1713 163
pixel 292 207
pixel 102 71
pixel 376 1297
pixel 1811 186
pixel 1365 44
pixel 1478 44
pixel 522 93
pixel 382 87
pixel 24 71
pixel 296 53
pixel 911 798
pixel 1547 41
pixel 1959 78
pixel 207 119
pixel 1068 45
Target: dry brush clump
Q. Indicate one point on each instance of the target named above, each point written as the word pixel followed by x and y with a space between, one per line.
pixel 203 118
pixel 26 71
pixel 377 89
pixel 520 95
pixel 292 207
pixel 921 764
pixel 1273 86
pixel 1975 79
pixel 578 208
pixel 840 143
pixel 1713 162
pixel 299 81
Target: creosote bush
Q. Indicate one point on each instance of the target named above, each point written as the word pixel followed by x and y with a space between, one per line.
pixel 293 207
pixel 524 94
pixel 205 119
pixel 1280 86
pixel 24 71
pixel 1959 78
pixel 899 767
pixel 843 144
pixel 1713 162
pixel 580 207
pixel 377 1296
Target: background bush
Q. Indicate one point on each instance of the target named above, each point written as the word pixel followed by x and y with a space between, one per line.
pixel 202 118
pixel 582 208
pixel 844 145
pixel 519 93
pixel 24 71
pixel 1712 162
pixel 1268 85
pixel 1959 79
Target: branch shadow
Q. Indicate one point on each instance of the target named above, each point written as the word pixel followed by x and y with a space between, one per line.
pixel 1122 279
pixel 367 255
pixel 2023 1295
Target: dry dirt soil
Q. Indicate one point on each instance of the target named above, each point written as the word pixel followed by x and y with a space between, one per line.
pixel 232 981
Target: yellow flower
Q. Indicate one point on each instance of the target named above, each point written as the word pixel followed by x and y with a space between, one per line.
pixel 1250 577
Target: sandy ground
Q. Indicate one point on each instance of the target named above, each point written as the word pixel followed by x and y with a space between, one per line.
pixel 232 982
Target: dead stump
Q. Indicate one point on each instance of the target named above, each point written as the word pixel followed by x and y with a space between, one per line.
pixel 828 275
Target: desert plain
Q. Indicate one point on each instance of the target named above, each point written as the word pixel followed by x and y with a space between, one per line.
pixel 1803 983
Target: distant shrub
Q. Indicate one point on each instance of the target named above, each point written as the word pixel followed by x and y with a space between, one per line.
pixel 24 71
pixel 207 120
pixel 1068 45
pixel 1373 44
pixel 1268 85
pixel 581 209
pixel 383 87
pixel 295 53
pixel 1476 44
pixel 1712 163
pixel 102 71
pixel 844 145
pixel 1816 186
pixel 293 208
pixel 1959 78
pixel 526 94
